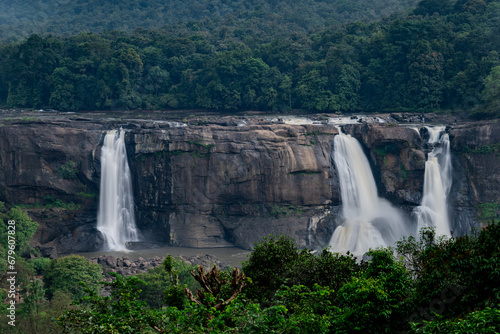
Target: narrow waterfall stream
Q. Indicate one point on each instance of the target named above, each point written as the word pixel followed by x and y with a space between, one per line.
pixel 368 220
pixel 433 211
pixel 115 217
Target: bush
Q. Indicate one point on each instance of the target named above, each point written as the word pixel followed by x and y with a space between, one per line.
pixel 121 312
pixel 457 275
pixel 277 261
pixel 64 275
pixel 270 264
pixel 158 280
pixel 40 265
pixel 483 321
pixel 68 171
pixel 377 299
pixel 18 221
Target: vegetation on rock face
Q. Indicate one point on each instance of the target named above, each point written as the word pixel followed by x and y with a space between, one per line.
pixel 68 171
pixel 422 61
pixel 488 211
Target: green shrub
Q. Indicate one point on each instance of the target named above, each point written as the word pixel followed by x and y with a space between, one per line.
pixel 278 260
pixel 68 171
pixel 18 221
pixel 454 276
pixel 488 211
pixel 158 281
pixel 40 265
pixel 377 299
pixel 484 321
pixel 121 312
pixel 64 274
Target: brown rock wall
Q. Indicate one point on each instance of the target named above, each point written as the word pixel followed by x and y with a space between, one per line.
pixel 221 184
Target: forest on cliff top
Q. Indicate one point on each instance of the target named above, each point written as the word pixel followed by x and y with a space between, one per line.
pixel 19 19
pixel 439 55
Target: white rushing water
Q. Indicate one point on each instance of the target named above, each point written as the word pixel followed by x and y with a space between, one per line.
pixel 115 217
pixel 433 211
pixel 369 221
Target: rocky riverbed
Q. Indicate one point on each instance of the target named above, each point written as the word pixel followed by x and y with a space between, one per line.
pixel 127 267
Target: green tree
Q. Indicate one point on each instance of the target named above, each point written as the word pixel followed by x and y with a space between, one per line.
pixel 20 226
pixel 312 90
pixel 269 265
pixel 65 273
pixel 454 276
pixel 33 301
pixel 157 80
pixel 30 66
pixel 40 264
pixel 377 299
pixel 347 89
pixel 121 312
pixel 278 261
pixel 164 286
pixel 491 91
pixel 309 309
pixel 63 94
pixel 426 80
pixel 483 321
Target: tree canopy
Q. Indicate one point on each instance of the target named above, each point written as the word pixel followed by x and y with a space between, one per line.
pixel 440 60
pixel 18 19
pixel 428 285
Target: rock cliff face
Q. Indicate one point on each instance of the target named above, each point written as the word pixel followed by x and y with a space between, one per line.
pixel 31 157
pixel 226 181
pixel 216 185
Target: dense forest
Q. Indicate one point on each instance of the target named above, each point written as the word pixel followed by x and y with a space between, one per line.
pixel 424 285
pixel 442 55
pixel 264 17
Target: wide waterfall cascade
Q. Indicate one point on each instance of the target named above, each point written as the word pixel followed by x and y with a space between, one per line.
pixel 115 217
pixel 369 221
pixel 433 211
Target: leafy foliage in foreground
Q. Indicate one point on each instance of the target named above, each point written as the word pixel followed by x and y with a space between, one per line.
pixel 164 286
pixel 121 312
pixel 65 273
pixel 278 261
pixel 425 285
pixel 455 276
pixel 381 295
pixel 484 321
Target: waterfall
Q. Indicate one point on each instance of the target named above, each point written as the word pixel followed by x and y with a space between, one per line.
pixel 115 217
pixel 433 211
pixel 368 220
